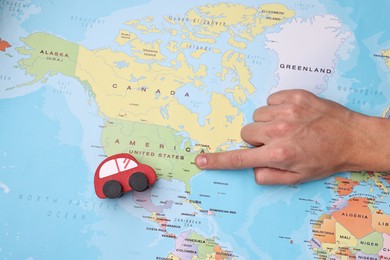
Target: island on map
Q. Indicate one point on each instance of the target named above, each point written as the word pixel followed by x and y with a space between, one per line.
pixel 4 45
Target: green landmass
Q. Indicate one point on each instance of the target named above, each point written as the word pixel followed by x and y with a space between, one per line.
pixel 171 155
pixel 208 247
pixel 370 244
pixel 48 55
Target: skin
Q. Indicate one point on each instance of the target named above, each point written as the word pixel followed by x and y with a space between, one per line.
pixel 299 137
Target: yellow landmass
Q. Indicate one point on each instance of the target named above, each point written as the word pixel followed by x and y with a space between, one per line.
pixel 196 54
pixel 330 248
pixel 386 112
pixel 146 93
pixel 216 51
pixel 153 216
pixel 173 63
pixel 344 238
pixel 213 20
pixel 143 28
pixel 184 45
pixel 198 83
pixel 379 183
pixel 146 30
pixel 172 46
pixel 173 257
pixel 235 61
pixel 387 54
pixel 132 22
pixel 124 37
pixel 142 50
pixel 173 32
pixel 193 37
pixel 241 45
pixel 274 13
pixel 149 19
pixel 223 16
pixel 210 256
pixel 213 256
pixel 169 20
pixel 238 94
pixel 377 177
pixel 196 206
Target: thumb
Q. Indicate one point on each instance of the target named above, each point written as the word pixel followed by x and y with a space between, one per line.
pixel 271 176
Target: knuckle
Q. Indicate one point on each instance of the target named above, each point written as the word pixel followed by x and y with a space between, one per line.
pixel 292 111
pixel 299 96
pixel 236 160
pixel 281 154
pixel 282 128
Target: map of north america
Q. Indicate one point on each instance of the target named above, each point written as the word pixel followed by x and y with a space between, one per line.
pixel 139 89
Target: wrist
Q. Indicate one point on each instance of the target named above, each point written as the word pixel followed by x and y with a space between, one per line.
pixel 370 150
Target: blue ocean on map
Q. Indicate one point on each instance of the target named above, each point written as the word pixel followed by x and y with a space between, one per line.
pixel 366 76
pixel 81 16
pixel 286 204
pixel 28 135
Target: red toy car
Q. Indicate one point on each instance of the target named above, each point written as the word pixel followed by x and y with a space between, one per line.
pixel 122 173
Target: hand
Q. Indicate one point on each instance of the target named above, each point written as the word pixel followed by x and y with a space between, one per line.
pixel 300 137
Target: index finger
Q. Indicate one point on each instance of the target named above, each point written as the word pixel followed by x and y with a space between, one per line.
pixel 237 159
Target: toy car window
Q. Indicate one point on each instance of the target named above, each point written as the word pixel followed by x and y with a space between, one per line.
pixel 109 168
pixel 126 164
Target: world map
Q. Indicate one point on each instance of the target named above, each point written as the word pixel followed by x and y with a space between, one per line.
pixel 83 80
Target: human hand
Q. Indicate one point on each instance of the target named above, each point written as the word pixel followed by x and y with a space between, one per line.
pixel 299 137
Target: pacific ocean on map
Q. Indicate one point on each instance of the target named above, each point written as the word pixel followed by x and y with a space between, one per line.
pixel 52 217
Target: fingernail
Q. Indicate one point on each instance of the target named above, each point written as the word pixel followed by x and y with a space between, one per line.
pixel 201 161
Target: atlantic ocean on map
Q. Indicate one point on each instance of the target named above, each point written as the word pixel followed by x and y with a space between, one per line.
pixel 165 81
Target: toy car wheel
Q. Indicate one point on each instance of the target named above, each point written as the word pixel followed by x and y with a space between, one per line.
pixel 138 181
pixel 112 189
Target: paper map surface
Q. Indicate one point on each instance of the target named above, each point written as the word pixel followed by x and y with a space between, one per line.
pixel 165 81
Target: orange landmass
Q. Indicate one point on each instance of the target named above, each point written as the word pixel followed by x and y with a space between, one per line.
pixel 219 253
pixel 325 232
pixel 4 45
pixel 381 222
pixel 163 222
pixel 343 251
pixel 356 217
pixel 218 250
pixel 345 186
